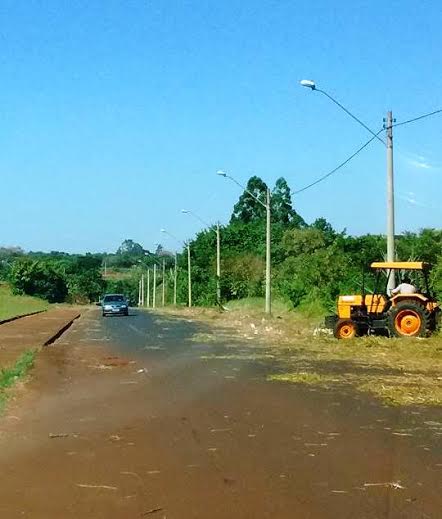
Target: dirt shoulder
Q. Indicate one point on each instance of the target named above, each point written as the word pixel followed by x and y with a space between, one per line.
pixel 32 332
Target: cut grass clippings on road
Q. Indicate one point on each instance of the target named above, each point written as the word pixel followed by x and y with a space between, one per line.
pixel 9 376
pixel 13 305
pixel 399 372
pixel 396 371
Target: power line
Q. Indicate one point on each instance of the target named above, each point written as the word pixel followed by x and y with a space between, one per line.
pixel 418 118
pixel 375 136
pixel 342 164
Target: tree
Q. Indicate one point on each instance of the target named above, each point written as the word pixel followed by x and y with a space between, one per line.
pixel 303 241
pixel 84 280
pixel 248 208
pixel 282 208
pixel 38 278
pixel 131 248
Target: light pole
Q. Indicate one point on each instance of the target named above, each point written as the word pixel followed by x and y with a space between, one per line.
pixel 154 287
pixel 390 174
pixel 189 271
pixel 267 206
pixel 218 253
pixel 174 280
pixel 163 301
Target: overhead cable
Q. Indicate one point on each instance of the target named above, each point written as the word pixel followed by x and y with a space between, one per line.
pixel 418 118
pixel 342 164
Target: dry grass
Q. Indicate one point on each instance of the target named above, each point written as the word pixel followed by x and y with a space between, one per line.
pixel 397 371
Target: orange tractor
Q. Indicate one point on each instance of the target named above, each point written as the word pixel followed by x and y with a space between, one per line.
pixel 401 315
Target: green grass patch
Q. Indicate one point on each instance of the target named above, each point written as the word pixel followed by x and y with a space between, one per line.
pixel 257 304
pixel 12 305
pixel 9 376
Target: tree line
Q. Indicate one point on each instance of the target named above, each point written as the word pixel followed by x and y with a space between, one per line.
pixel 311 263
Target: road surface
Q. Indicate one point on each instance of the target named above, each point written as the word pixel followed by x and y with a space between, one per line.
pixel 133 417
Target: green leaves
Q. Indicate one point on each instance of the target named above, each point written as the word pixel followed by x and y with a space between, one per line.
pixel 38 278
pixel 76 278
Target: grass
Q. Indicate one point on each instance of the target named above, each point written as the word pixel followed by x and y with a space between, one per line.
pixel 12 305
pixel 256 304
pixel 9 376
pixel 117 274
pixel 399 372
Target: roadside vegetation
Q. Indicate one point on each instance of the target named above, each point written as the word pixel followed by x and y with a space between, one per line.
pixel 13 305
pixel 312 263
pixel 10 376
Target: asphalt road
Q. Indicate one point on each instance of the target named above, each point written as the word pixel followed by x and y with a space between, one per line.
pixel 181 434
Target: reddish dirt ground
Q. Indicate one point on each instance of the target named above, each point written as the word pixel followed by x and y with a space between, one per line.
pixel 31 332
pixel 124 418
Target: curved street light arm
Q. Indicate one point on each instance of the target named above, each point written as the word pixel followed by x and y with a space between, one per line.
pixel 188 211
pixel 243 187
pixel 350 114
pixel 174 237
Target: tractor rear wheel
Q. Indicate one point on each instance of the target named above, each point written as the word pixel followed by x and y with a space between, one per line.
pixel 409 319
pixel 345 329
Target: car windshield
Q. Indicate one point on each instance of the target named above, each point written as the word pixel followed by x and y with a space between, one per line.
pixel 113 298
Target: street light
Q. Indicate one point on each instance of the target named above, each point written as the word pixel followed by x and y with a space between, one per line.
pixel 266 205
pixel 189 272
pixel 218 253
pixel 388 125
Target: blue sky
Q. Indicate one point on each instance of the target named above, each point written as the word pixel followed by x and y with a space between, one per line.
pixel 115 115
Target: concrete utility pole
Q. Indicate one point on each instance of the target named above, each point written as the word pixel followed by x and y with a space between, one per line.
pixel 189 275
pixel 175 281
pixel 388 126
pixel 390 200
pixel 139 292
pixel 268 256
pixel 267 206
pixel 218 265
pixel 164 283
pixel 218 252
pixel 148 289
pixel 154 288
pixel 142 289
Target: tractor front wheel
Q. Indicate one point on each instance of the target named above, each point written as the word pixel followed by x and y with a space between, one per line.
pixel 409 319
pixel 345 329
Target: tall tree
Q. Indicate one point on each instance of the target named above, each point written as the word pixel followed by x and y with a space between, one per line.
pixel 282 206
pixel 131 248
pixel 248 208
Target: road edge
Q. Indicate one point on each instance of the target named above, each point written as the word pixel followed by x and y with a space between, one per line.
pixel 61 331
pixel 16 317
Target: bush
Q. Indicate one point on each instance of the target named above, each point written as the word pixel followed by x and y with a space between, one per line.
pixel 38 278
